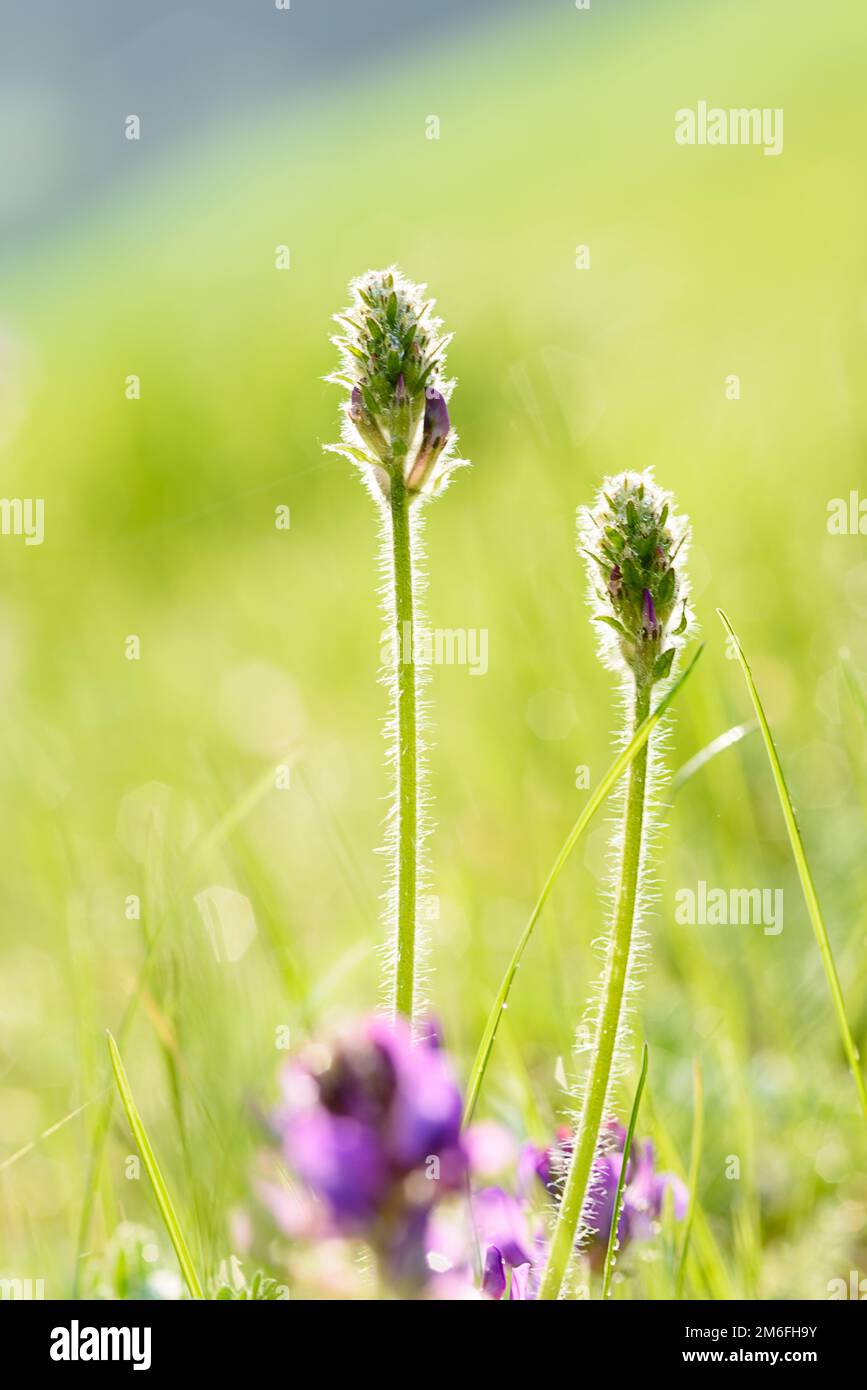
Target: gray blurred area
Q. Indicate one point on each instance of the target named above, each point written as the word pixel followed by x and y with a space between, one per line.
pixel 72 70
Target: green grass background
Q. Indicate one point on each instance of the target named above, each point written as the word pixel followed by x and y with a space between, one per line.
pixel 556 130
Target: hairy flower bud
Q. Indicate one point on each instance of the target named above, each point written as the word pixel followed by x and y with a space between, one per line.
pixel 635 546
pixel 393 363
pixel 434 436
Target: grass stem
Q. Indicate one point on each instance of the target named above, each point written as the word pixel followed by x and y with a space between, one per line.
pixel 799 854
pixel 611 1251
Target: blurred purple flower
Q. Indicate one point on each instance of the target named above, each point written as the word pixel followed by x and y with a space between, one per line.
pixel 372 1126
pixel 509 1239
pixel 644 1192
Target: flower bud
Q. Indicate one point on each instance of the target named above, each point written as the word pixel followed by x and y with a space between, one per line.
pixel 635 548
pixel 366 425
pixel 434 435
pixel 393 363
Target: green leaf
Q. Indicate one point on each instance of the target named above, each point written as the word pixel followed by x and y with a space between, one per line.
pixel 152 1168
pixel 807 886
pixel 612 622
pixel 618 1196
pixel 665 592
pixel 662 665
pixel 631 574
pixel 681 627
pixel 611 777
pixel 604 567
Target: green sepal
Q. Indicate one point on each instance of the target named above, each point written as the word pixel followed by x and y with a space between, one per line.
pixel 662 665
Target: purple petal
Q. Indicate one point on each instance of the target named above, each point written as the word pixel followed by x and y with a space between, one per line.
pixel 436 417
pixel 651 622
pixel 341 1160
pixel 494 1274
pixel 501 1220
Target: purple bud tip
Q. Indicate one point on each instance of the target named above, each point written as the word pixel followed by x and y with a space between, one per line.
pixel 494 1274
pixel 615 582
pixel 435 432
pixel 651 622
pixel 436 417
pixel 356 404
pixel 400 390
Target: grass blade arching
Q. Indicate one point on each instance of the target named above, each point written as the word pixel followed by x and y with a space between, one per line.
pixel 608 1269
pixel 855 687
pixel 615 771
pixel 161 1192
pixel 804 874
pixel 711 751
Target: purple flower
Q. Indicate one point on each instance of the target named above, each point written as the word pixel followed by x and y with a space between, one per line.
pixel 434 435
pixel 436 417
pixel 356 405
pixel 649 620
pixel 509 1239
pixel 615 582
pixel 372 1126
pixel 644 1192
pixel 494 1273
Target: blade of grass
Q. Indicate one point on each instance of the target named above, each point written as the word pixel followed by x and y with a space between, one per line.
pixel 694 1162
pixel 161 1192
pixel 710 750
pixel 705 1258
pixel 855 688
pixel 209 842
pixel 46 1134
pixel 608 1269
pixel 615 771
pixel 803 867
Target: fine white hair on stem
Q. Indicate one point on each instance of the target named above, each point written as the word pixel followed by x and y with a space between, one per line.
pixel 633 544
pixel 397 430
pixel 647 896
pixel 392 651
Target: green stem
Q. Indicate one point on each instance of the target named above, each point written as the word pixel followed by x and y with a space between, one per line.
pixel 609 1019
pixel 407 749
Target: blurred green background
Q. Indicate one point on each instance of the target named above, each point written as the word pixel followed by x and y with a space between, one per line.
pixel 259 646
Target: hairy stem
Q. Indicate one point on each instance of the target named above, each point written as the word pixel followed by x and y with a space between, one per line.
pixel 609 1019
pixel 406 694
